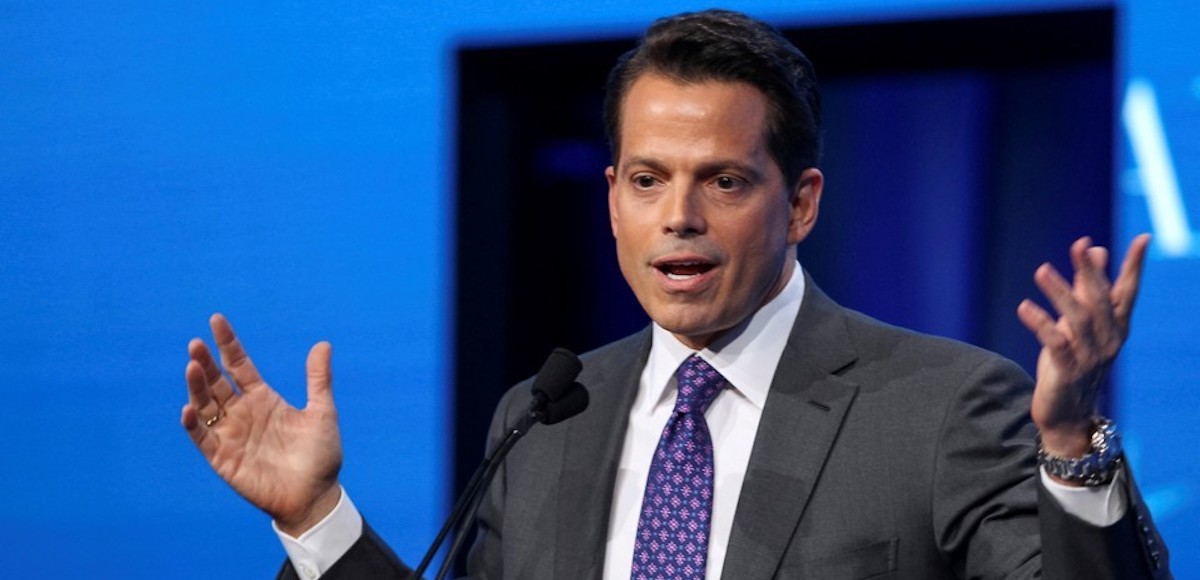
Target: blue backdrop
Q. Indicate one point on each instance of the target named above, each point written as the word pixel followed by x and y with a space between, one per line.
pixel 288 163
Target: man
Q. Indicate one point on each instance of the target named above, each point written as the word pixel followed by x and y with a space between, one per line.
pixel 801 440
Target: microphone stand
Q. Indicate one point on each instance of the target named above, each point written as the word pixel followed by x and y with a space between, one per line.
pixel 563 402
pixel 468 502
pixel 556 397
pixel 461 536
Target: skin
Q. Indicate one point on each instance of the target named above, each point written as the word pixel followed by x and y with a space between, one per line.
pixel 695 184
pixel 283 460
pixel 1079 345
pixel 695 193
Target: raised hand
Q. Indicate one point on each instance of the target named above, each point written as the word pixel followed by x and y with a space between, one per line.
pixel 283 460
pixel 1080 344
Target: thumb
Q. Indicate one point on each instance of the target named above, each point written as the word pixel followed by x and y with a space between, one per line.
pixel 320 374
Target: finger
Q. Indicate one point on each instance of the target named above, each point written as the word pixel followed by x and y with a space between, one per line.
pixel 1091 280
pixel 200 395
pixel 1078 253
pixel 204 438
pixel 1058 291
pixel 233 357
pixel 1096 292
pixel 1125 289
pixel 319 372
pixel 221 389
pixel 1099 257
pixel 1042 324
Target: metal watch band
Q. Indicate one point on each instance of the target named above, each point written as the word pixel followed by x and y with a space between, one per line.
pixel 1095 468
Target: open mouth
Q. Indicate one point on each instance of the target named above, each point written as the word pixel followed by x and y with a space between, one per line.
pixel 683 270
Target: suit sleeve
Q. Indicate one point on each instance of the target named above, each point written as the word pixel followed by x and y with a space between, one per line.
pixel 369 558
pixel 1130 548
pixel 994 519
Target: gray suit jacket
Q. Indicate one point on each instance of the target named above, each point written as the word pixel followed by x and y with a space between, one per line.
pixel 881 453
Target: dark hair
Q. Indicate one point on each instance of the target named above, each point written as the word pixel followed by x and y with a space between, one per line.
pixel 726 46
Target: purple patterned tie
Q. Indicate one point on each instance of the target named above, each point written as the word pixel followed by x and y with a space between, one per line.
pixel 672 533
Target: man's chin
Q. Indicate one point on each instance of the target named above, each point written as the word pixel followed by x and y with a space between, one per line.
pixel 691 331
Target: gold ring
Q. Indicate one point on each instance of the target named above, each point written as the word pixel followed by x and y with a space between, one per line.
pixel 213 421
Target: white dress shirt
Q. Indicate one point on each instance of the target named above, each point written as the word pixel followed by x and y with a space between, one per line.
pixel 747 357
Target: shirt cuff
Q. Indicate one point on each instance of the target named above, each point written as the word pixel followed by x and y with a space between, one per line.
pixel 1102 505
pixel 316 550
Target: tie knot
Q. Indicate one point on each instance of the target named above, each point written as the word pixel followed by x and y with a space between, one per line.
pixel 699 384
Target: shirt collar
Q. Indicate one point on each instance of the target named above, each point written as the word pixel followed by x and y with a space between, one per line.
pixel 746 356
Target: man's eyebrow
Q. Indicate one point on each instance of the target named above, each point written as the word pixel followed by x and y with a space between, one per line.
pixel 647 162
pixel 731 166
pixel 707 168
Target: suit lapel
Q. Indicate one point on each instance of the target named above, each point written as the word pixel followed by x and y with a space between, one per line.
pixel 592 452
pixel 801 418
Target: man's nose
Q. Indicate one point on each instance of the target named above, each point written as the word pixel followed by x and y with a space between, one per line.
pixel 684 211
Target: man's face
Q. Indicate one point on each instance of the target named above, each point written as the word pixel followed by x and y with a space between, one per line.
pixel 705 223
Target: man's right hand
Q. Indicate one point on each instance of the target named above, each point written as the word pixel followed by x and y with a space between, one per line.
pixel 283 460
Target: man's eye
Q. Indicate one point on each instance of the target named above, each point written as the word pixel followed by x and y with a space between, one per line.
pixel 644 181
pixel 727 183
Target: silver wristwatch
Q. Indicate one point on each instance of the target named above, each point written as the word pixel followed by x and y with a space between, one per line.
pixel 1095 468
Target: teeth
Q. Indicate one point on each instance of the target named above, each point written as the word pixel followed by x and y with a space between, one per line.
pixel 683 270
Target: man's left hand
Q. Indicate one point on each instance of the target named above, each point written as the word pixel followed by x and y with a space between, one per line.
pixel 1080 345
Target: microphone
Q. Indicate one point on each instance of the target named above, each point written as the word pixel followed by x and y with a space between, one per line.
pixel 554 391
pixel 556 398
pixel 572 403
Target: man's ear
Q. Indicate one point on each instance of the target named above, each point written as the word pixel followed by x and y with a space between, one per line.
pixel 805 204
pixel 610 173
